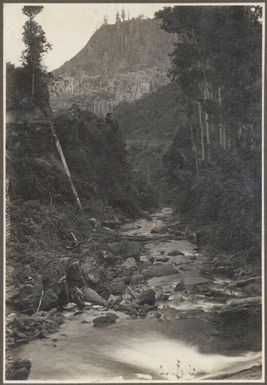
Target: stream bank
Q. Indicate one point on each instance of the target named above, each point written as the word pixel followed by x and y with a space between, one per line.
pixel 176 315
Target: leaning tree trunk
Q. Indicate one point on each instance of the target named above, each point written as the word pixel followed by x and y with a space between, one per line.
pixel 65 166
pixel 62 157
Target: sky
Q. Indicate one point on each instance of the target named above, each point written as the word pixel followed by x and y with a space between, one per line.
pixel 68 27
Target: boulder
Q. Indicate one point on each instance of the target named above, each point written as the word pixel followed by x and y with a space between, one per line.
pixel 28 298
pixel 137 279
pixel 74 275
pixel 92 296
pixel 175 253
pixel 159 229
pixel 147 297
pixel 130 263
pixel 162 259
pixel 159 271
pixel 103 292
pixel 192 257
pixel 49 300
pixel 109 257
pixel 117 286
pixel 179 286
pixel 114 300
pixel 19 370
pixel 103 321
pixel 93 278
pixel 113 316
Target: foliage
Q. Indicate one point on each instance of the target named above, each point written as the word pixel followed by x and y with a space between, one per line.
pixel 148 126
pixel 34 74
pixel 95 154
pixel 214 162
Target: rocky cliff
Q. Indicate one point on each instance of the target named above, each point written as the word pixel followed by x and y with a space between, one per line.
pixel 120 63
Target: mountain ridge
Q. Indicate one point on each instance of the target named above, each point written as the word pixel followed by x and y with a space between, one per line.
pixel 120 63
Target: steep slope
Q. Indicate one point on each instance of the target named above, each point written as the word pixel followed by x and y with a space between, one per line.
pixel 120 63
pixel 148 126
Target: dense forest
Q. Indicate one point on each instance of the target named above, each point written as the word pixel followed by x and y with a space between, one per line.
pixel 214 163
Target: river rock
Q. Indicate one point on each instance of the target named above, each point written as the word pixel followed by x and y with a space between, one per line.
pixel 28 298
pixel 92 296
pixel 111 222
pixel 113 316
pixel 192 257
pixel 93 279
pixel 103 321
pixel 179 286
pixel 130 263
pixel 158 271
pixel 159 229
pixel 114 299
pixel 74 275
pixel 137 279
pixel 162 259
pixel 147 297
pixel 117 286
pixel 175 253
pixel 19 370
pixel 103 291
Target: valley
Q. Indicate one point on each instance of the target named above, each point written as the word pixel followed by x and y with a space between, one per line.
pixel 134 201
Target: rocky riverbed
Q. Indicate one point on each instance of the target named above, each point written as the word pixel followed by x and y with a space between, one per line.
pixel 169 311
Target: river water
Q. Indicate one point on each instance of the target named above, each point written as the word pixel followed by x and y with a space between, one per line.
pixel 196 346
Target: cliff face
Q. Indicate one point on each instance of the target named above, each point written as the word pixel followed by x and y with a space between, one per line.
pixel 120 63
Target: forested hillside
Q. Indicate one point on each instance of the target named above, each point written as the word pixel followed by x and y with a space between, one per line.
pixel 214 163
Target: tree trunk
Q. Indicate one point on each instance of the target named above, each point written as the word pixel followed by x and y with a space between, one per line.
pixel 201 132
pixel 221 125
pixel 49 115
pixel 207 128
pixel 64 163
pixel 194 148
pixel 33 83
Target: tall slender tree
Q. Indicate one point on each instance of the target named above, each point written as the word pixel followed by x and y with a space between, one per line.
pixel 36 46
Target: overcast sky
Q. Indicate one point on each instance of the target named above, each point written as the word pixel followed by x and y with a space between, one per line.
pixel 67 26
